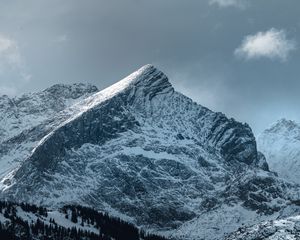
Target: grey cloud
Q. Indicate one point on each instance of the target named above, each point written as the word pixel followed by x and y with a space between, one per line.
pixel 230 3
pixel 271 44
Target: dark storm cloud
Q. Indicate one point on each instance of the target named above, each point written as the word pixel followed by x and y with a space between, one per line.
pixel 193 42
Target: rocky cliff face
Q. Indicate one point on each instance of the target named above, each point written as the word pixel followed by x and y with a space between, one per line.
pixel 281 145
pixel 143 151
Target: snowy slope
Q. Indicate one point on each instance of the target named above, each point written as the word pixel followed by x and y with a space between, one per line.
pixel 143 151
pixel 20 221
pixel 281 145
pixel 283 229
pixel 26 119
pixel 59 217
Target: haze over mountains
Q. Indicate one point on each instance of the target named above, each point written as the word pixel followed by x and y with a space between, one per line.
pixel 144 152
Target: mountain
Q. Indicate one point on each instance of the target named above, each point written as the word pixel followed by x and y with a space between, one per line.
pixel 21 221
pixel 281 145
pixel 150 155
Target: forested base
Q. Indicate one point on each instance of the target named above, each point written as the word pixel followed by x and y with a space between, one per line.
pixel 88 223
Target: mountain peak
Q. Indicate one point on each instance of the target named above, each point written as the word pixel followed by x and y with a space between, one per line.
pixel 147 67
pixel 145 83
pixel 71 90
pixel 152 80
pixel 283 125
pixel 284 121
pixel 147 77
pixel 281 145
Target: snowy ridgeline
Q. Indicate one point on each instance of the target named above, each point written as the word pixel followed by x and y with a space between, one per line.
pixel 25 221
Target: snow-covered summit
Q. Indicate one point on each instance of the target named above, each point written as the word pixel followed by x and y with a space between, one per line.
pixel 145 83
pixel 72 91
pixel 284 126
pixel 148 78
pixel 281 145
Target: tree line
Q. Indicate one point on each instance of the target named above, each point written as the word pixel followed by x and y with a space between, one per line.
pixel 108 227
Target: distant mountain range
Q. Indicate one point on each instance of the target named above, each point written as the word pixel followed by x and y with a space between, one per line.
pixel 281 145
pixel 143 152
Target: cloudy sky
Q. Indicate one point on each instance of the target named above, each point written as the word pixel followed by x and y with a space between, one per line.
pixel 240 57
